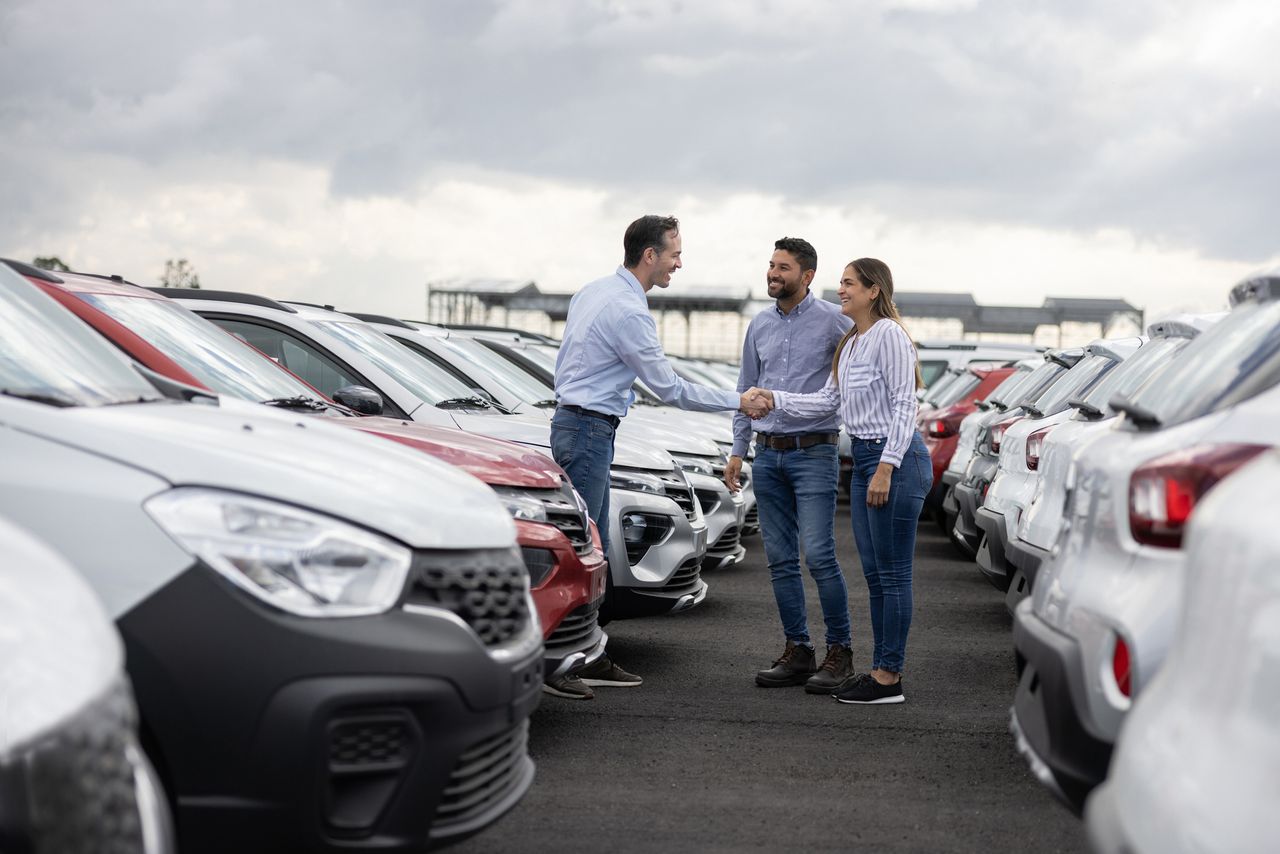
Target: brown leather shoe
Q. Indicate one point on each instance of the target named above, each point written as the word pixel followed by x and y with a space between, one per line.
pixel 794 667
pixel 835 668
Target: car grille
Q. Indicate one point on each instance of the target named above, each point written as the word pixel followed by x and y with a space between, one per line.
pixel 727 543
pixel 686 579
pixel 709 499
pixel 752 519
pixel 679 491
pixel 579 630
pixel 563 512
pixel 370 741
pixel 484 775
pixel 485 587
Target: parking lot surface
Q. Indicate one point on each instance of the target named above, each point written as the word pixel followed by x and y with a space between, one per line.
pixel 700 759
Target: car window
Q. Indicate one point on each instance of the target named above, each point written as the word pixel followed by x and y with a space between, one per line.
pixel 1007 385
pixel 963 385
pixel 1037 381
pixel 49 355
pixel 1133 372
pixel 220 360
pixel 1235 360
pixel 1075 382
pixel 298 355
pixel 522 384
pixel 931 370
pixel 423 378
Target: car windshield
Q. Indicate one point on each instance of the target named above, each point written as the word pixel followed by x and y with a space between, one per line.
pixel 1010 391
pixel 1008 385
pixel 1075 382
pixel 1037 381
pixel 423 378
pixel 958 390
pixel 1235 360
pixel 935 392
pixel 203 349
pixel 519 382
pixel 48 355
pixel 1133 372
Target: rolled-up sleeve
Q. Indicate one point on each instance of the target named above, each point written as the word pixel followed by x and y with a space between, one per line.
pixel 896 358
pixel 813 404
pixel 638 347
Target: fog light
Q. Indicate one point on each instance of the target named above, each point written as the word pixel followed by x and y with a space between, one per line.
pixel 634 528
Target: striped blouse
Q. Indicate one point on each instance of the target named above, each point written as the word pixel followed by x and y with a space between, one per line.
pixel 876 395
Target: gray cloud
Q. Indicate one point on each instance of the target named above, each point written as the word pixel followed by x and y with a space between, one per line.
pixel 1080 115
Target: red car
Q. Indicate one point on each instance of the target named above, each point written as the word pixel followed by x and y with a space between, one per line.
pixel 941 424
pixel 560 545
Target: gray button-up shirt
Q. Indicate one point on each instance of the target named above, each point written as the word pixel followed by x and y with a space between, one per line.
pixel 792 352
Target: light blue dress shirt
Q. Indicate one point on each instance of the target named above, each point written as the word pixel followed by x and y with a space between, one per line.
pixel 793 352
pixel 610 339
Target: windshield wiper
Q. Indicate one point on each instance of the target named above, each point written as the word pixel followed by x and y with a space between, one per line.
pixel 545 404
pixel 53 398
pixel 1088 410
pixel 299 402
pixel 463 403
pixel 1141 417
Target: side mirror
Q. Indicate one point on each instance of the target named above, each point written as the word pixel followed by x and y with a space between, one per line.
pixel 364 400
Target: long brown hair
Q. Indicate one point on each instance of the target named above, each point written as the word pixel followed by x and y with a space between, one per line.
pixel 868 272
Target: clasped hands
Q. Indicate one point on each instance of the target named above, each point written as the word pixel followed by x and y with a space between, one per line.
pixel 756 402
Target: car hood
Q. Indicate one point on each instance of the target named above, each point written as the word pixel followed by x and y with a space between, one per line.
pixel 536 431
pixel 676 433
pixel 491 460
pixel 58 650
pixel 245 447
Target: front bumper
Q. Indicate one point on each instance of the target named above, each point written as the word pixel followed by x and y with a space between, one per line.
pixel 667 576
pixel 1067 758
pixel 725 513
pixel 274 732
pixel 568 597
pixel 1026 560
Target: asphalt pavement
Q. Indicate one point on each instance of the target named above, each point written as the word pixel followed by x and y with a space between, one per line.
pixel 700 759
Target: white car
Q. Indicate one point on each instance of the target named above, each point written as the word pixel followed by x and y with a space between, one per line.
pixel 652 507
pixel 1041 522
pixel 1196 766
pixel 73 775
pixel 936 355
pixel 1016 471
pixel 1101 616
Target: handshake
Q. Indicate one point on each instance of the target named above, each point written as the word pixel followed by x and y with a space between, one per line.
pixel 756 402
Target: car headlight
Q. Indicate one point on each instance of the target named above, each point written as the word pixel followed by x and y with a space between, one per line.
pixel 292 559
pixel 635 481
pixel 521 505
pixel 701 465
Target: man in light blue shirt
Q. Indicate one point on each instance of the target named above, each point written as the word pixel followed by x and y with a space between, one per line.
pixel 790 346
pixel 610 340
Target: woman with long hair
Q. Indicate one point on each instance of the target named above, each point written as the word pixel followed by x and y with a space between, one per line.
pixel 874 377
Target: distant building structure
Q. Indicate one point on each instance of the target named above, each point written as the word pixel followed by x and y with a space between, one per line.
pixel 710 322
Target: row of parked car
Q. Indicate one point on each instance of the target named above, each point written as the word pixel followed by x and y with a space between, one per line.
pixel 1117 495
pixel 293 579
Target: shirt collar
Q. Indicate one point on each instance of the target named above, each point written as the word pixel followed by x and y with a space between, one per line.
pixel 632 282
pixel 801 307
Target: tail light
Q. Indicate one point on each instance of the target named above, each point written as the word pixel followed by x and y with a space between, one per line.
pixel 941 428
pixel 1035 443
pixel 1164 491
pixel 1120 667
pixel 997 431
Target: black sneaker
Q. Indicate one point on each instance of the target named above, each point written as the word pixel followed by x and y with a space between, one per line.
pixel 865 690
pixel 603 671
pixel 568 686
pixel 832 672
pixel 794 667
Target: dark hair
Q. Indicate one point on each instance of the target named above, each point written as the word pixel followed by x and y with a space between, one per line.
pixel 800 249
pixel 647 231
pixel 871 272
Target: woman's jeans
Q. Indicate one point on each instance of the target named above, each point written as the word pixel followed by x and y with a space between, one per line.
pixel 796 496
pixel 886 538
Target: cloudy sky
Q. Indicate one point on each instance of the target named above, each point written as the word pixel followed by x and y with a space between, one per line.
pixel 349 152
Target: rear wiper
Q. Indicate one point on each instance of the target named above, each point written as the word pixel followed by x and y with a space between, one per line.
pixel 1138 415
pixel 1032 411
pixel 53 398
pixel 298 402
pixel 463 403
pixel 1088 410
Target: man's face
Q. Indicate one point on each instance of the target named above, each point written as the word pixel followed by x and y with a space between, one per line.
pixel 785 278
pixel 668 261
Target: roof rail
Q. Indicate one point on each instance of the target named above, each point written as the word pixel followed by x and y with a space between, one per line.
pixel 30 270
pixel 379 318
pixel 222 296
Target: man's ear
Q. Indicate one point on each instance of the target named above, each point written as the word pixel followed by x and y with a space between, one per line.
pixel 806 278
pixel 650 255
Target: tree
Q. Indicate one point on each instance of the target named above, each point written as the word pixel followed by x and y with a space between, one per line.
pixel 51 262
pixel 179 274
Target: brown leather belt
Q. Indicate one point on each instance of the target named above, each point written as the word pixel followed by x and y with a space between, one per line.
pixel 797 440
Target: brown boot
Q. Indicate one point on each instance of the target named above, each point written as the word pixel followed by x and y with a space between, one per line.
pixel 794 668
pixel 835 668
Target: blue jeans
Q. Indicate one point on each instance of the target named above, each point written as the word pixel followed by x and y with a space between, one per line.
pixel 886 538
pixel 796 495
pixel 583 447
